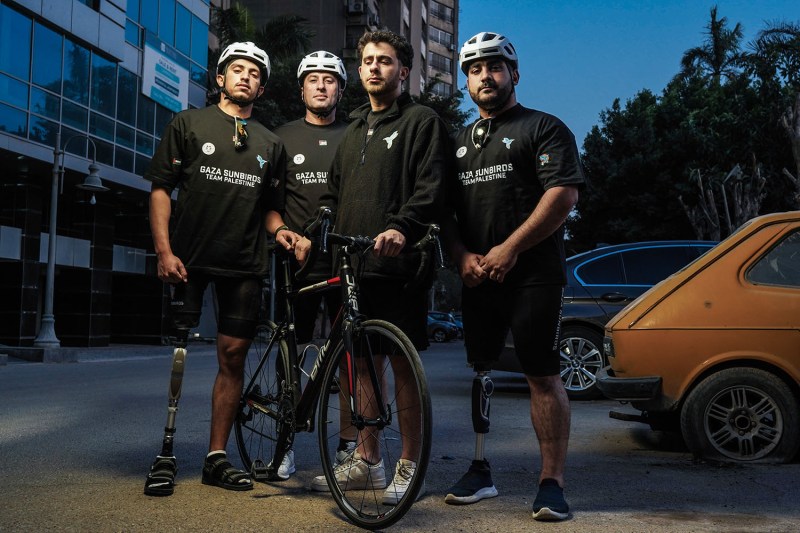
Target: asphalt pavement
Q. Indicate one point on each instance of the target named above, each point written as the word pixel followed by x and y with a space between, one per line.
pixel 76 440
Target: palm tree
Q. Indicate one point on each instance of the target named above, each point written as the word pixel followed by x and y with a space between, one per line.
pixel 720 55
pixel 777 57
pixel 285 37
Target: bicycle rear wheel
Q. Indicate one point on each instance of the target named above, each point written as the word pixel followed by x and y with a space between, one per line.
pixel 384 370
pixel 263 402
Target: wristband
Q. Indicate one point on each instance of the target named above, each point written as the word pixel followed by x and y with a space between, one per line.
pixel 284 227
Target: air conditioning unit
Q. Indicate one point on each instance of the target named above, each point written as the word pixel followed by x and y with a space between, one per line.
pixel 355 7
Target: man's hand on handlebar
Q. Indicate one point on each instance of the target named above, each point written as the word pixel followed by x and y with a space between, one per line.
pixel 389 243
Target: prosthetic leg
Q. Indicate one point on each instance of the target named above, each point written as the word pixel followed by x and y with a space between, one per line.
pixel 482 388
pixel 161 478
pixel 477 483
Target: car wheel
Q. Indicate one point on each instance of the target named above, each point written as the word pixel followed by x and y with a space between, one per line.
pixel 581 351
pixel 743 415
pixel 439 335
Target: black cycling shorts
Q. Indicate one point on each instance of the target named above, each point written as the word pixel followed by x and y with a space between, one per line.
pixel 406 309
pixel 532 313
pixel 306 310
pixel 238 303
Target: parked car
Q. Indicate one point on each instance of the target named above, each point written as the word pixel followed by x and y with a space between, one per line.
pixel 441 330
pixel 714 350
pixel 600 283
pixel 448 317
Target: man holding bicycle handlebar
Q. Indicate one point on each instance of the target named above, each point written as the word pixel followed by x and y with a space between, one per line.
pixel 386 180
pixel 310 144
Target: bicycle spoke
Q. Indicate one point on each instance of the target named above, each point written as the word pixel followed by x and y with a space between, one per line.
pixel 394 422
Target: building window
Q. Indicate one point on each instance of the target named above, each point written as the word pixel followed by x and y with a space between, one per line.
pixel 47 57
pixel 76 72
pixel 441 12
pixel 15 43
pixel 442 37
pixel 440 62
pixel 442 89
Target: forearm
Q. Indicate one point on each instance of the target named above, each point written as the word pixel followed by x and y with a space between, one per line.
pixel 274 221
pixel 160 211
pixel 550 213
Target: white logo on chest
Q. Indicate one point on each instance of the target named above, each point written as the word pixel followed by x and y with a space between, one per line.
pixel 390 139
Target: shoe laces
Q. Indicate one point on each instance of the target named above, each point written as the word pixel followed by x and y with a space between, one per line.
pixel 405 469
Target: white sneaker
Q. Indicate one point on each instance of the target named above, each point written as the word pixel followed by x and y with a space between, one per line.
pixel 287 467
pixel 403 473
pixel 354 474
pixel 344 455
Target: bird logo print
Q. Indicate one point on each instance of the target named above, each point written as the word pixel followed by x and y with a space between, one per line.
pixel 390 139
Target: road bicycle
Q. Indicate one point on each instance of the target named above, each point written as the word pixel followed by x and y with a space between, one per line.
pixel 366 370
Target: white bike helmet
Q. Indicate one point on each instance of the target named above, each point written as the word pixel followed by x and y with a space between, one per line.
pixel 245 50
pixel 487 44
pixel 321 61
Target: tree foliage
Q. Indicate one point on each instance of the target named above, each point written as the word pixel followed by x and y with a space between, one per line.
pixel 713 146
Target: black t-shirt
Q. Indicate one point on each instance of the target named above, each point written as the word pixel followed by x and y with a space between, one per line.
pixel 496 188
pixel 224 194
pixel 310 150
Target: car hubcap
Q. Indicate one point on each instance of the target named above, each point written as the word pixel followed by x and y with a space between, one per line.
pixel 580 362
pixel 743 423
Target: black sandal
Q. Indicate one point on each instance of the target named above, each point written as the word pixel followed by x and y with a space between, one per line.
pixel 161 479
pixel 219 472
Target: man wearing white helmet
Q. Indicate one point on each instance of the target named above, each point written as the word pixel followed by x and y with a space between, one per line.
pixel 310 144
pixel 387 181
pixel 517 179
pixel 228 169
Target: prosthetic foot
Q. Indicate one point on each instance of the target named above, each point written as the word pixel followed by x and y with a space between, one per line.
pixel 161 478
pixel 477 483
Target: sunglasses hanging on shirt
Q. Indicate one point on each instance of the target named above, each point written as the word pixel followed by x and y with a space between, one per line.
pixel 239 133
pixel 480 132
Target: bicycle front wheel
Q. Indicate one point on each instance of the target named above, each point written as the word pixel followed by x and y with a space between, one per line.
pixel 378 397
pixel 264 400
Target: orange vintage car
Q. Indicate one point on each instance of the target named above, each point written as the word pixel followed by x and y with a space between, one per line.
pixel 714 349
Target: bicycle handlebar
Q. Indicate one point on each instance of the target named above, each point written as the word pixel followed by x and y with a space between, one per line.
pixel 359 244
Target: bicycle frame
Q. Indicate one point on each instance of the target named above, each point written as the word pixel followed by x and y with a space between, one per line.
pixel 305 399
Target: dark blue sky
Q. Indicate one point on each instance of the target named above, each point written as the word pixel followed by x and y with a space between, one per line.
pixel 576 56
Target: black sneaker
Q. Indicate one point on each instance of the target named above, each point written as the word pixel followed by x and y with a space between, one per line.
pixel 473 486
pixel 550 503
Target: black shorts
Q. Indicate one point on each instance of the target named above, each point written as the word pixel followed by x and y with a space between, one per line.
pixel 238 303
pixel 406 309
pixel 306 310
pixel 533 313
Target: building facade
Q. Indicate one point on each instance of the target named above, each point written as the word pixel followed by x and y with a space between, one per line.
pixel 102 78
pixel 429 25
pixel 83 71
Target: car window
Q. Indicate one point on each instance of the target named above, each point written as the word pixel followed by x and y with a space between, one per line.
pixel 605 270
pixel 781 265
pixel 648 266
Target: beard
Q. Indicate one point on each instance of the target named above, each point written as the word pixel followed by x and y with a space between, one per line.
pixel 386 86
pixel 492 102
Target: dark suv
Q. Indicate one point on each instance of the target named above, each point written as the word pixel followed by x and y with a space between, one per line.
pixel 600 283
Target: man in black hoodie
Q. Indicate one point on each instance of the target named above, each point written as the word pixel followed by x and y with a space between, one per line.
pixel 386 181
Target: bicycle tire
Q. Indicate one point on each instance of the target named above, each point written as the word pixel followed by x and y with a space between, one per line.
pixel 256 431
pixel 366 507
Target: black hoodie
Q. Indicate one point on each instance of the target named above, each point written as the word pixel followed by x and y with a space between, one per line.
pixel 393 180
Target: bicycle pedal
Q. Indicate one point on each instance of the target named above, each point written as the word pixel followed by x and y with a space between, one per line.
pixel 259 471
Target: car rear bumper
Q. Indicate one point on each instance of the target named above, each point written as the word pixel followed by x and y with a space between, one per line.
pixel 627 389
